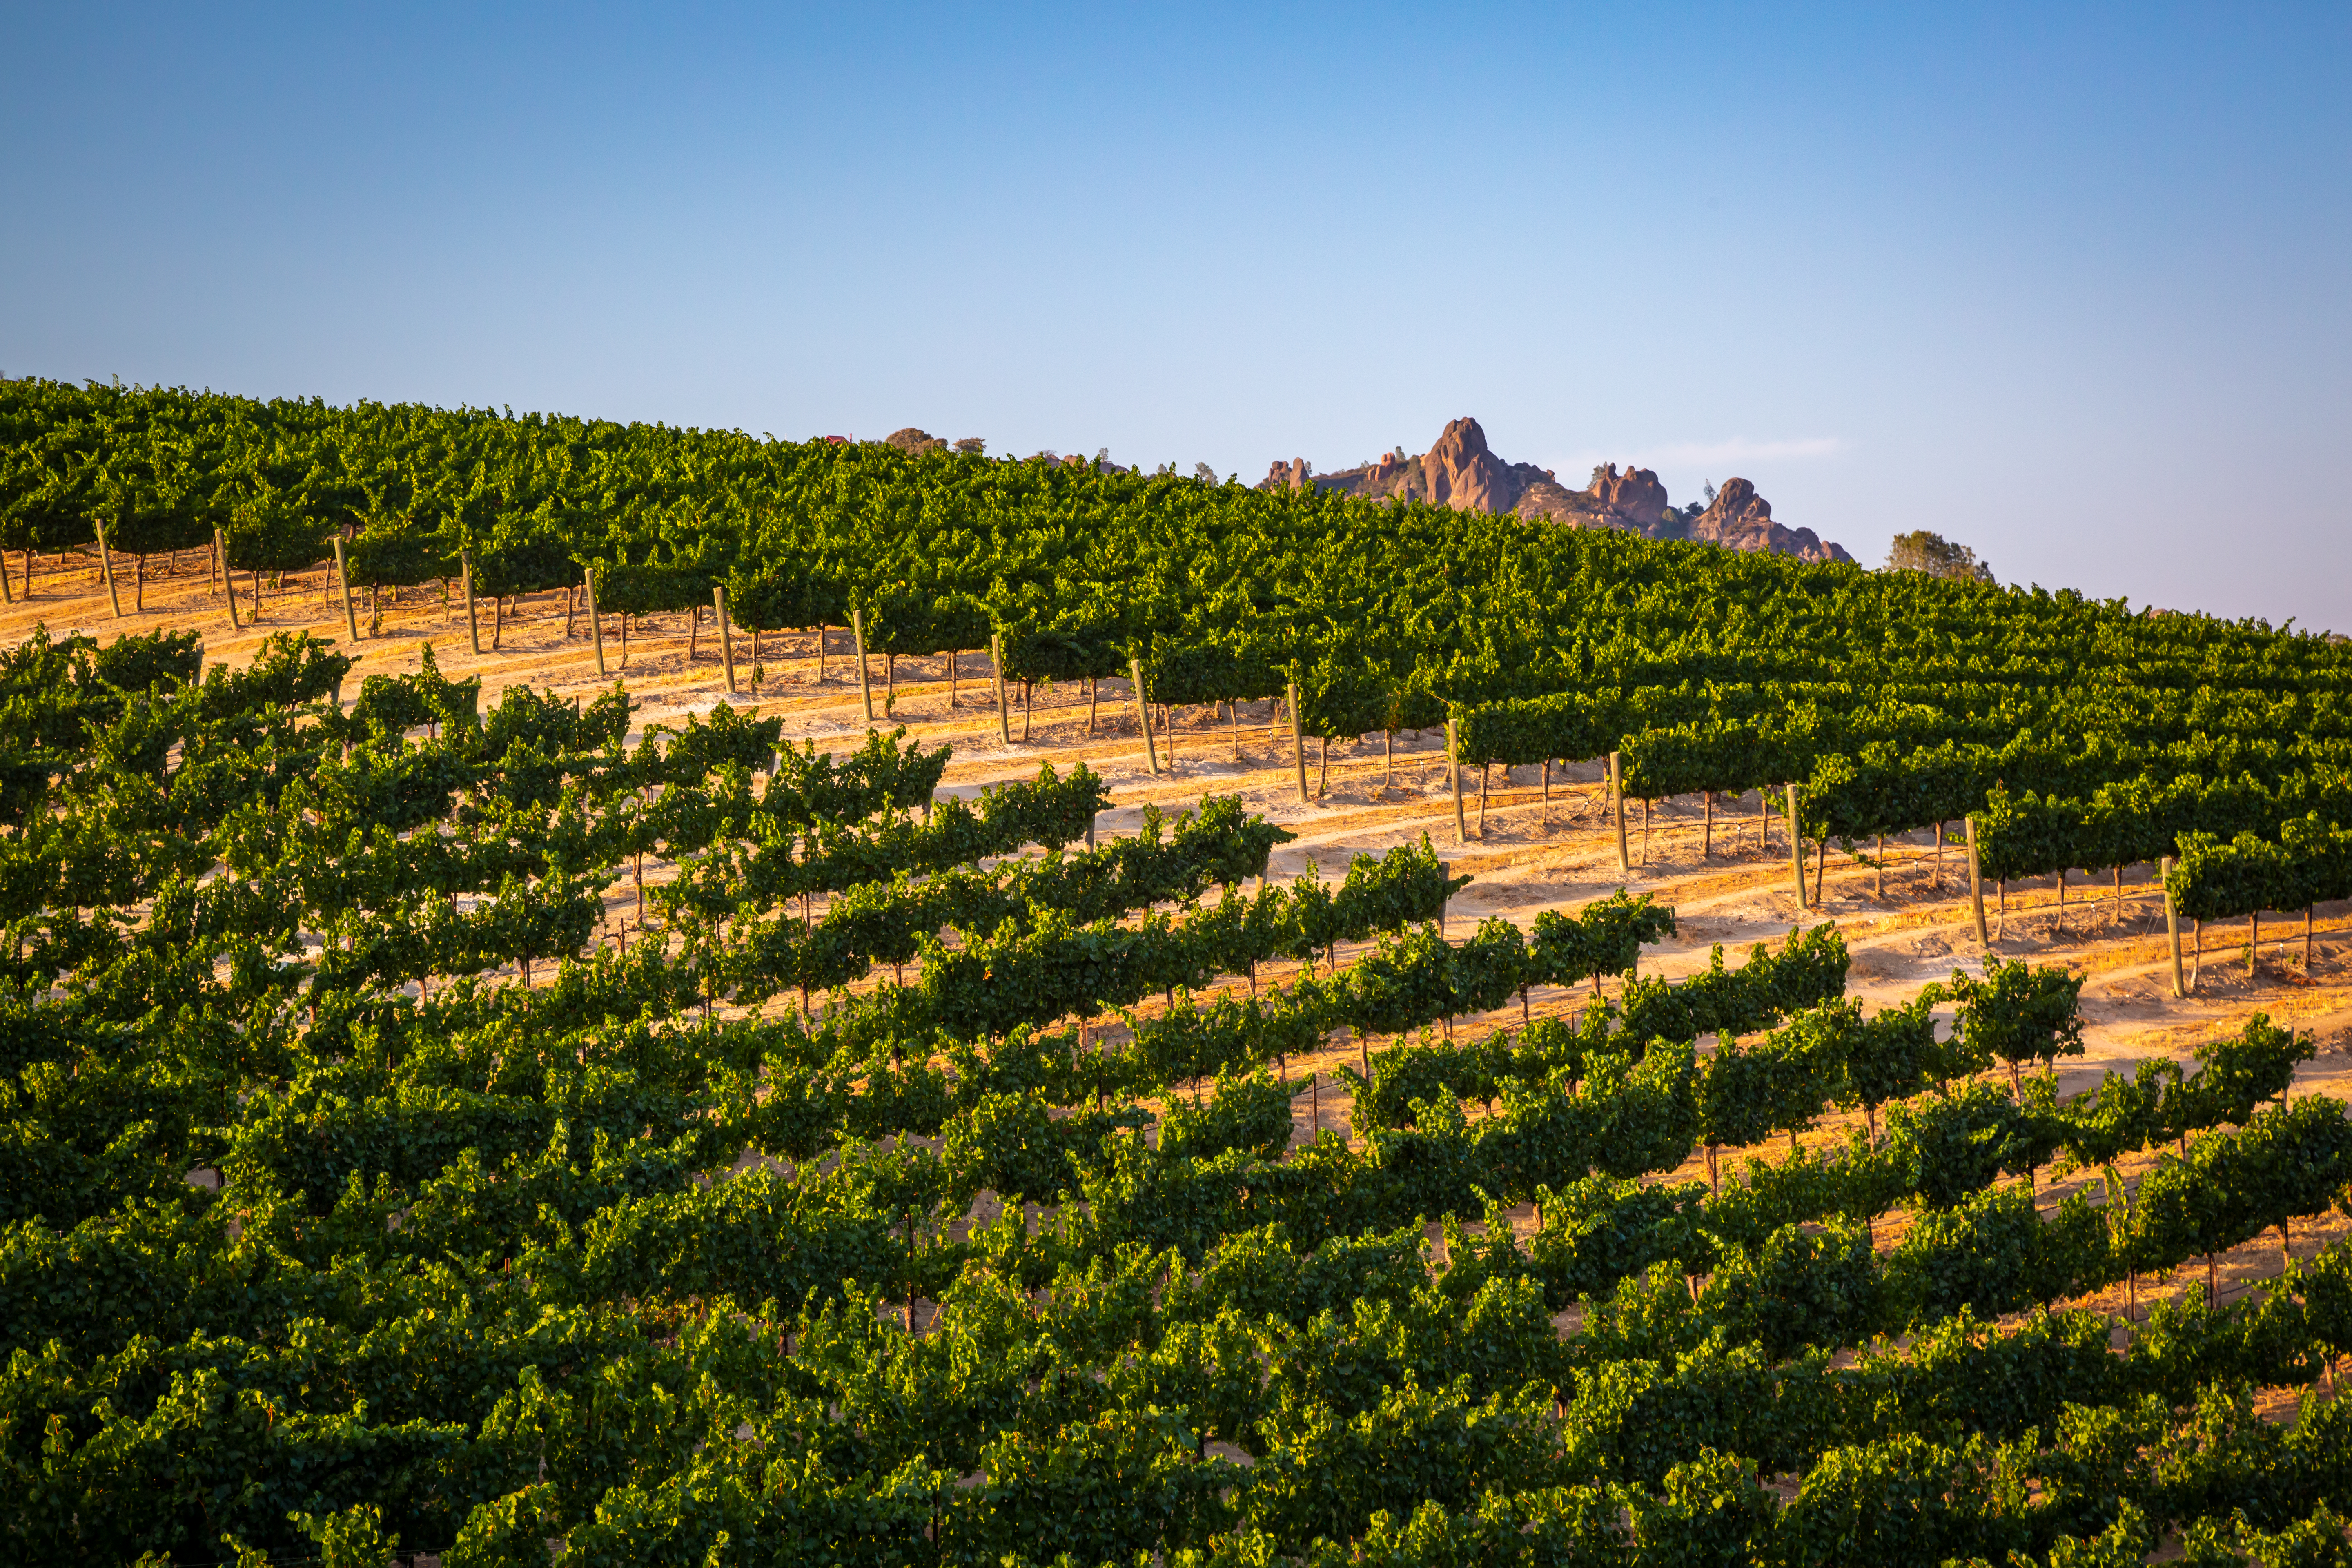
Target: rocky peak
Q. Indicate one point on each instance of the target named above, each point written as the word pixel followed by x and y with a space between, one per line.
pixel 1294 475
pixel 1742 520
pixel 1462 474
pixel 1461 471
pixel 1637 495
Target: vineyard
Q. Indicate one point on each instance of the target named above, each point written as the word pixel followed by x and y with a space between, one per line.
pixel 612 995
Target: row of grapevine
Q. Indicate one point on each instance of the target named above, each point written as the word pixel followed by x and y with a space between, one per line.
pixel 602 1255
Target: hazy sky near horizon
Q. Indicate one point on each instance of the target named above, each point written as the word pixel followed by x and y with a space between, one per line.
pixel 2070 284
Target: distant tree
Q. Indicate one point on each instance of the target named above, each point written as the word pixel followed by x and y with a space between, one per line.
pixel 1710 492
pixel 1205 474
pixel 971 446
pixel 1922 550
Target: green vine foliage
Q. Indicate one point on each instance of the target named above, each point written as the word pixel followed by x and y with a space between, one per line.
pixel 324 1236
pixel 2308 862
pixel 2019 1012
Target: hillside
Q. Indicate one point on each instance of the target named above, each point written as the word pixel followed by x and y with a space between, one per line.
pixel 676 995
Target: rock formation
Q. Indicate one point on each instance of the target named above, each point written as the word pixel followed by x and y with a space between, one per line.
pixel 1293 475
pixel 1462 472
pixel 1741 520
pixel 1545 498
pixel 1392 476
pixel 1636 495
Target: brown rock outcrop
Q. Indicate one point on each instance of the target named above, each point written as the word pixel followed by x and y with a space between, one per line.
pixel 1548 499
pixel 1739 518
pixel 1461 471
pixel 1294 475
pixel 1462 474
pixel 1392 477
pixel 1637 495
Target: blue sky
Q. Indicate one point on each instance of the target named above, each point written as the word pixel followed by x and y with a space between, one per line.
pixel 2070 284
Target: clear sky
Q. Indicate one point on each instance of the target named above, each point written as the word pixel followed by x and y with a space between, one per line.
pixel 2069 284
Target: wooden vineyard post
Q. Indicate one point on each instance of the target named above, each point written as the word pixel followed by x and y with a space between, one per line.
pixel 1454 776
pixel 1975 888
pixel 343 585
pixel 1796 847
pixel 1617 809
pixel 106 568
pixel 228 583
pixel 2171 924
pixel 725 638
pixel 596 620
pixel 1143 722
pixel 864 677
pixel 996 663
pixel 465 579
pixel 1298 744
